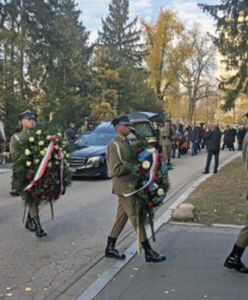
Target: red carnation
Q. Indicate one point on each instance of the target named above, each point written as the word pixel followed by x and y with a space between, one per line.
pixel 150 204
pixel 29 176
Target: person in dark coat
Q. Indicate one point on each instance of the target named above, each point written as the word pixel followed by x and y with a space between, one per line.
pixel 240 136
pixel 225 137
pixel 231 135
pixel 71 133
pixel 178 140
pixel 194 135
pixel 213 139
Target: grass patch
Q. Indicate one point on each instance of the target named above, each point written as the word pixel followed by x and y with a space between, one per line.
pixel 222 197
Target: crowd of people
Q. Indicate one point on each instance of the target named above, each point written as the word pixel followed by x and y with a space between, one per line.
pixel 176 139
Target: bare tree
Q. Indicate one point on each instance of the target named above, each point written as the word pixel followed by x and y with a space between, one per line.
pixel 197 67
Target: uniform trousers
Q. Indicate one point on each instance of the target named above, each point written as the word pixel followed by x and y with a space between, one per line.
pixel 242 240
pixel 125 211
pixel 33 210
pixel 166 151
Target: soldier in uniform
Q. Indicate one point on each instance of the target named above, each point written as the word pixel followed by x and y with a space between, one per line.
pixel 233 261
pixel 167 138
pixel 116 154
pixel 27 120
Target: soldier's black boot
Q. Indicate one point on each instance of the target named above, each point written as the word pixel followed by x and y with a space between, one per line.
pixel 30 225
pixel 233 261
pixel 39 232
pixel 150 254
pixel 110 250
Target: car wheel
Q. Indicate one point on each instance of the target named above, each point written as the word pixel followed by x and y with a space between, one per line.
pixel 107 173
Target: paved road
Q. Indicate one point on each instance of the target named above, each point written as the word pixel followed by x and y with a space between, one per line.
pixel 83 218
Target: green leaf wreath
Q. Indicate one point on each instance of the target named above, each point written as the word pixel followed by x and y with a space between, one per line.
pixel 147 196
pixel 29 154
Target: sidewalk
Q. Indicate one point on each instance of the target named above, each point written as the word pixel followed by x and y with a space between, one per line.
pixel 193 270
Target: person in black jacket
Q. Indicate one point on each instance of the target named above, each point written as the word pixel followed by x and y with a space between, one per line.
pixel 240 136
pixel 70 133
pixel 213 139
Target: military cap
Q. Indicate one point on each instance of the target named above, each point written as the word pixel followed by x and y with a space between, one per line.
pixel 27 114
pixel 121 120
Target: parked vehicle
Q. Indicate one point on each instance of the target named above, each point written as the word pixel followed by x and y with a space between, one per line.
pixel 88 157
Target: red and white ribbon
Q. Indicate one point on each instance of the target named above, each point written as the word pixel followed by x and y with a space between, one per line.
pixel 43 165
pixel 152 173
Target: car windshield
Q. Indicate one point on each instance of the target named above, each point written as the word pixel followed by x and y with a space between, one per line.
pixel 94 139
pixel 144 128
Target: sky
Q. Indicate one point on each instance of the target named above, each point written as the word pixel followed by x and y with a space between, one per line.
pixel 187 10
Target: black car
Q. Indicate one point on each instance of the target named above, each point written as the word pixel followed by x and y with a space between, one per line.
pixel 89 155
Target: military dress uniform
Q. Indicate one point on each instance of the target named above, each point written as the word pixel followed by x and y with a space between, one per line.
pixel 167 138
pixel 18 136
pixel 233 261
pixel 117 151
pixel 32 221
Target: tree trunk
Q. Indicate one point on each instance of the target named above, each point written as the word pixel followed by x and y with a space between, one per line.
pixel 191 110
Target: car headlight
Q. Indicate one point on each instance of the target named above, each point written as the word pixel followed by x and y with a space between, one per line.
pixel 94 159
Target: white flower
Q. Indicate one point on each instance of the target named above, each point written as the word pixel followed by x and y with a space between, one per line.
pixel 48 137
pixel 59 134
pixel 49 165
pixel 27 152
pixel 150 150
pixel 146 165
pixel 160 192
pixel 38 132
pixel 56 162
pixel 28 163
pixel 43 152
pixel 41 143
pixel 37 161
pixel 31 139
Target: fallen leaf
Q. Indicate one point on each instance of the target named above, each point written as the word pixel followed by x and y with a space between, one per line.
pixel 8 294
pixel 28 289
pixel 8 288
